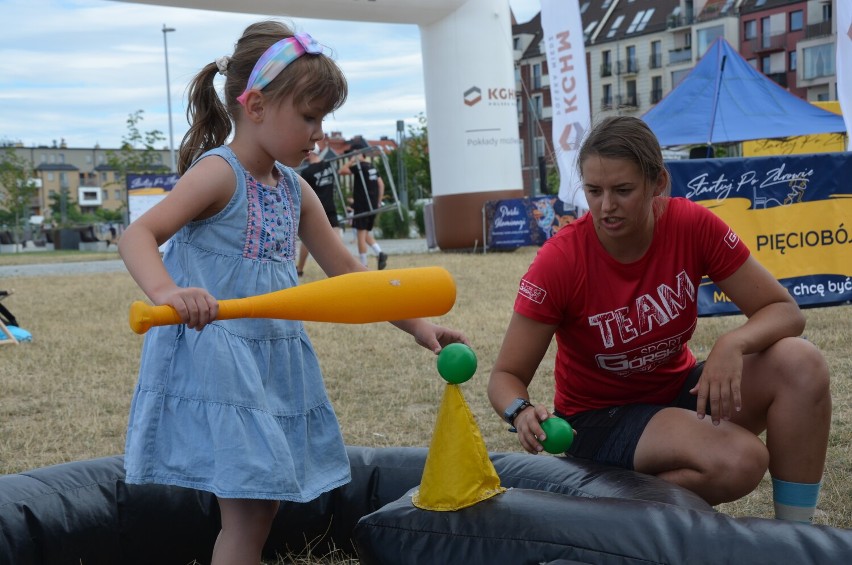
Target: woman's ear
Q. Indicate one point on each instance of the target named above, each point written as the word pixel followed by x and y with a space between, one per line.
pixel 662 182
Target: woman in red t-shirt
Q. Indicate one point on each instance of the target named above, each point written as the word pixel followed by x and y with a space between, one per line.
pixel 618 290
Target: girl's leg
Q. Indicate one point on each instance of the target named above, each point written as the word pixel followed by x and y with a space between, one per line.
pixel 245 527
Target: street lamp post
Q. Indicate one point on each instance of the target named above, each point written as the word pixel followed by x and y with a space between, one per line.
pixel 169 99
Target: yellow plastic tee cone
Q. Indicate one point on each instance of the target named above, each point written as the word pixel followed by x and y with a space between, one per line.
pixel 458 472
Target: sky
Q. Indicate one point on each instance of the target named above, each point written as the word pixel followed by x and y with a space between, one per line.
pixel 75 70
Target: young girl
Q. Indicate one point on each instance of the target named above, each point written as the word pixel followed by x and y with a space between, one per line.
pixel 238 407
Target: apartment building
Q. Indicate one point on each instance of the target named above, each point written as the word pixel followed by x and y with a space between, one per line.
pixel 535 112
pixel 85 177
pixel 793 43
pixel 637 51
pixel 82 174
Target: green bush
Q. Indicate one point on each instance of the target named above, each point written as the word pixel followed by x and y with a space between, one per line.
pixel 392 226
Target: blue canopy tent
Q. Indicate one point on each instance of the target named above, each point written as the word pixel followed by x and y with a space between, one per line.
pixel 724 100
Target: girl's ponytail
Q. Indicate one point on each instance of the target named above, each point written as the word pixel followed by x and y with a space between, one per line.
pixel 209 122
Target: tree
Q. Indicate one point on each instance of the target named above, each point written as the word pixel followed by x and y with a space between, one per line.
pixel 69 213
pixel 18 188
pixel 414 152
pixel 553 180
pixel 137 154
pixel 415 157
pixel 75 217
pixel 110 216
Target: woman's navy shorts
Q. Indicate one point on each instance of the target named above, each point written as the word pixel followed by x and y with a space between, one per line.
pixel 610 435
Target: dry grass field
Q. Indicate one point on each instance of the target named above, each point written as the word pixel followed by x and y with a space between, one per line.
pixel 65 396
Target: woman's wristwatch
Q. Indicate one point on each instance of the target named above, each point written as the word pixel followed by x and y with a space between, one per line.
pixel 515 408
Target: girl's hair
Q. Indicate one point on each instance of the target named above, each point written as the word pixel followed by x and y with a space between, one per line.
pixel 627 138
pixel 314 82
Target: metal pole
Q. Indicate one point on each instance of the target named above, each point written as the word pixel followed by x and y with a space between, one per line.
pixel 169 99
pixel 400 162
pixel 715 101
pixel 532 123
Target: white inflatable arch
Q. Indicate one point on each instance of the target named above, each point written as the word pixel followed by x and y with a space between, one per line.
pixel 470 95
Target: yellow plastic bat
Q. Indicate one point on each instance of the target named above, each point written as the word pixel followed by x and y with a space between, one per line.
pixel 353 298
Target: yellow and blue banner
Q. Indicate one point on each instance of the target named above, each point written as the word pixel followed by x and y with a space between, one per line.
pixel 794 212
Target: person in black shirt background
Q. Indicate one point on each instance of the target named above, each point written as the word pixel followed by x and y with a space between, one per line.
pixel 367 191
pixel 320 175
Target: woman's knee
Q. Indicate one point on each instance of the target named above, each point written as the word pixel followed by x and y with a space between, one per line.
pixel 748 458
pixel 741 467
pixel 801 367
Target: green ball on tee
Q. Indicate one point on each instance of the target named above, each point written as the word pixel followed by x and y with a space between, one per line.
pixel 456 363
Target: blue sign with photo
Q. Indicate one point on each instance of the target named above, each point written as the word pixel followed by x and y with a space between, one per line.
pixel 519 222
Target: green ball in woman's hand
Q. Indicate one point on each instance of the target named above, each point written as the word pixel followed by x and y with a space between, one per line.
pixel 559 435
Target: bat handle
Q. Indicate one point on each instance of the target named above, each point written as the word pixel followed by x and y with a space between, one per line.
pixel 144 316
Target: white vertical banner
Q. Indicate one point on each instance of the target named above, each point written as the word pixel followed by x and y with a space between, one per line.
pixel 843 64
pixel 473 115
pixel 569 92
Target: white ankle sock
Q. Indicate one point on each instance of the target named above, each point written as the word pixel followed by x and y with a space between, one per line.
pixel 794 501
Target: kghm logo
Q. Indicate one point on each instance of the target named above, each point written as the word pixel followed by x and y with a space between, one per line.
pixel 494 96
pixel 572 136
pixel 472 95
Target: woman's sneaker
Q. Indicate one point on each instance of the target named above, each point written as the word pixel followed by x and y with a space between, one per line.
pixel 383 260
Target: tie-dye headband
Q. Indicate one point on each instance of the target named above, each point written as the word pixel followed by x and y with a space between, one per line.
pixel 276 58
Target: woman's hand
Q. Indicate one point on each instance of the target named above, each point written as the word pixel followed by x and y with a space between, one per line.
pixel 528 426
pixel 720 382
pixel 772 315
